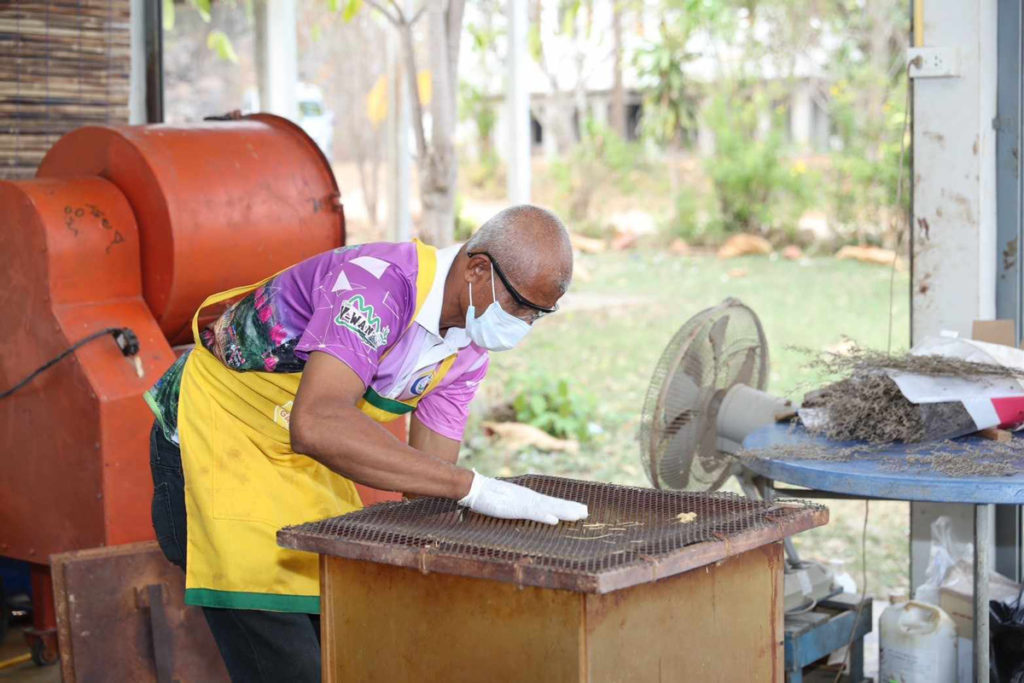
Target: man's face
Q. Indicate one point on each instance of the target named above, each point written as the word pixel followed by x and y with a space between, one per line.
pixel 522 301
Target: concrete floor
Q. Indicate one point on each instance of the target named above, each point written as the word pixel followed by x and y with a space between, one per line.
pixel 14 645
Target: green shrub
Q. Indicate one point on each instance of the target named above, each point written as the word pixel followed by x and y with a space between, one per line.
pixel 600 161
pixel 554 406
pixel 464 227
pixel 756 187
pixel 862 178
pixel 689 220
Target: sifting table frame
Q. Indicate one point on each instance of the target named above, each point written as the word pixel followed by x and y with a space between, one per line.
pixel 867 477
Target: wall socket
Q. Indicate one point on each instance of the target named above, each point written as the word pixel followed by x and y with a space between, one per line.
pixel 935 62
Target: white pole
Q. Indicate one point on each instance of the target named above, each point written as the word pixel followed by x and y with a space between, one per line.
pixel 398 140
pixel 517 101
pixel 277 28
pixel 137 71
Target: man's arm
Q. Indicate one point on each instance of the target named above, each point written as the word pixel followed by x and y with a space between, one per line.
pixel 327 426
pixel 425 439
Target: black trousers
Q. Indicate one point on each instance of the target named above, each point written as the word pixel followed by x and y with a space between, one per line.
pixel 255 645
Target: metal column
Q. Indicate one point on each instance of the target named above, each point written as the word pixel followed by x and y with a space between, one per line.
pixel 982 569
pixel 1009 282
pixel 153 37
pixel 518 103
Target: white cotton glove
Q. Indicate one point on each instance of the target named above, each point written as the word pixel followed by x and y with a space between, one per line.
pixel 496 498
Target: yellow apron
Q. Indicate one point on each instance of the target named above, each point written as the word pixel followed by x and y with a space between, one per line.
pixel 243 482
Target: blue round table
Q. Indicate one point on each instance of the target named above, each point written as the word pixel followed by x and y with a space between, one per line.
pixel 872 475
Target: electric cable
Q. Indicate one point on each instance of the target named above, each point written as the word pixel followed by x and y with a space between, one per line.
pixel 863 590
pixel 809 607
pixel 892 295
pixel 126 341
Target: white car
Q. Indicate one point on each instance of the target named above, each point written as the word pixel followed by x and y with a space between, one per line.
pixel 313 115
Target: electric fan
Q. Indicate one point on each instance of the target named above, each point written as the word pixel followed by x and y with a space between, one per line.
pixel 706 395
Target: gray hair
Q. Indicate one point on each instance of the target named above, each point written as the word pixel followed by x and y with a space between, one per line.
pixel 513 238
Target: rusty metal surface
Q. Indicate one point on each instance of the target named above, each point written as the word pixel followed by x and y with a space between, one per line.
pixel 74 457
pixel 110 631
pixel 219 204
pixel 633 535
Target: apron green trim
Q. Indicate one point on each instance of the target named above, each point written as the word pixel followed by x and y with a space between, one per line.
pixel 386 404
pixel 268 602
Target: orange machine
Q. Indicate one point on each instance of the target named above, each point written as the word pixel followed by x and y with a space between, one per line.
pixel 129 227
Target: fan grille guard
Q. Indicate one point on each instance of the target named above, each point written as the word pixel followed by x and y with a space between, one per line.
pixel 714 350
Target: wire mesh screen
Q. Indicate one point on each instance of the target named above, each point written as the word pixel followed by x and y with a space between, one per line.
pixel 63 64
pixel 632 535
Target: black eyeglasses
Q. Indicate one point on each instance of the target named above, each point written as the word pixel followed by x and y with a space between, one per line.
pixel 516 296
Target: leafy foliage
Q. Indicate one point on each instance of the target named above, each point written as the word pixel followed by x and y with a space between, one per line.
pixel 351 9
pixel 167 12
pixel 553 405
pixel 669 98
pixel 221 44
pixel 689 219
pixel 601 159
pixel 868 111
pixel 216 40
pixel 464 227
pixel 475 106
pixel 756 187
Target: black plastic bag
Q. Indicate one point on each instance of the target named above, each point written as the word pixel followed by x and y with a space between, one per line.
pixel 1006 637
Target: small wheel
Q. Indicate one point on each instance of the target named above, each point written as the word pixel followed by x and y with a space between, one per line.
pixel 43 656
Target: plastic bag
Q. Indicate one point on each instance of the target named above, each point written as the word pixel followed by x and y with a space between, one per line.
pixel 1006 633
pixel 945 558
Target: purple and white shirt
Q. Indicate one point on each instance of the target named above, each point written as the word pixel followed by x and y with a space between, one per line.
pixel 356 304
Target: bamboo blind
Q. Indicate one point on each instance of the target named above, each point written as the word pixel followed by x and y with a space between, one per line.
pixel 63 64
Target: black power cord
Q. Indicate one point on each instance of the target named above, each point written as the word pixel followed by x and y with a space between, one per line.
pixel 126 340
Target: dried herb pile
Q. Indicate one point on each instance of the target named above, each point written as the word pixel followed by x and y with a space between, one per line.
pixel 952 458
pixel 868 406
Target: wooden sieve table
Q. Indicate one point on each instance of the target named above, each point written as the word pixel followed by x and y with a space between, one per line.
pixel 654 585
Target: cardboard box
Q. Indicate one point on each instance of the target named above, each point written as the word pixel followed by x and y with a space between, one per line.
pixel 995 332
pixel 957 598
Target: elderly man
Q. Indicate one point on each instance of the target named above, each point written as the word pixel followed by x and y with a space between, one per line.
pixel 277 411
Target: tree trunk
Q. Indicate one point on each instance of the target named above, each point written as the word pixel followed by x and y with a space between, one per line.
pixel 618 104
pixel 437 197
pixel 558 121
pixel 438 168
pixel 875 93
pixel 368 166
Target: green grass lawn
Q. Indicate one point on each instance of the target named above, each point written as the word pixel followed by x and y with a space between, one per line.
pixel 618 320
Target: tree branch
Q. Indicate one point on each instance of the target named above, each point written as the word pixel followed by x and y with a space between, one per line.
pixel 395 21
pixel 409 53
pixel 454 28
pixel 404 27
pixel 398 10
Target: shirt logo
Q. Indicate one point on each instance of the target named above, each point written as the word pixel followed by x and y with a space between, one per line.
pixel 360 317
pixel 283 414
pixel 420 384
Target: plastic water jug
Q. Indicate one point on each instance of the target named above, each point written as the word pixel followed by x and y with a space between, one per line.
pixel 917 644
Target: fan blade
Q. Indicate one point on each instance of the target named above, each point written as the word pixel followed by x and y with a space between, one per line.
pixel 711 467
pixel 716 335
pixel 746 373
pixel 675 466
pixel 678 422
pixel 708 462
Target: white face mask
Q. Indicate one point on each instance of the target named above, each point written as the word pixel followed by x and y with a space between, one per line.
pixel 495 329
